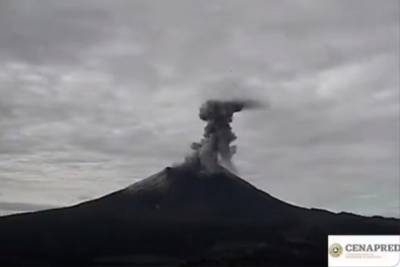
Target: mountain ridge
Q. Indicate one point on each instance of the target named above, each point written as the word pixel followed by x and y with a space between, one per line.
pixel 181 215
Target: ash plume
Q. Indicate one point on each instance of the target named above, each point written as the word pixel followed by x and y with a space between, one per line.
pixel 215 149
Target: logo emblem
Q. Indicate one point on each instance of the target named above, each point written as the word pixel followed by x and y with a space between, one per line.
pixel 335 250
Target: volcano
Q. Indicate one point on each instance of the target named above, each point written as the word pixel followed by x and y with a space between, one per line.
pixel 181 217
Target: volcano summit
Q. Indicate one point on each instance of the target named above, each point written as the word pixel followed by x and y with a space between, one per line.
pixel 195 214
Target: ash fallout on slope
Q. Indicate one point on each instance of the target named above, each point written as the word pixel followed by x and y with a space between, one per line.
pixel 214 149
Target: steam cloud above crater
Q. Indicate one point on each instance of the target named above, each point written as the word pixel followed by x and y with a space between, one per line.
pixel 215 149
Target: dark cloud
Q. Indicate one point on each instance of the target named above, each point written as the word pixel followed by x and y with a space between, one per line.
pixel 215 149
pixel 108 92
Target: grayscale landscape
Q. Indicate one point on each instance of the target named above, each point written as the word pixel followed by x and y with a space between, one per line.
pixel 196 133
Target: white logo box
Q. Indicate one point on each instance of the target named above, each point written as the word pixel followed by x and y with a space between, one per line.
pixel 364 250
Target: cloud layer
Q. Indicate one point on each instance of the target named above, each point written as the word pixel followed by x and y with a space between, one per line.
pixel 98 94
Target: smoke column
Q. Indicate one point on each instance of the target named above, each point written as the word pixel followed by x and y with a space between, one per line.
pixel 215 149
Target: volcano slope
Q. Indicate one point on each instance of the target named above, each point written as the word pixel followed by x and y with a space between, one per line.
pixel 180 216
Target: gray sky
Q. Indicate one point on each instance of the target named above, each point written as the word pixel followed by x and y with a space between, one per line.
pixel 95 95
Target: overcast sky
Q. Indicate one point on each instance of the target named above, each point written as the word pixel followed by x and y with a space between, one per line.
pixel 95 95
